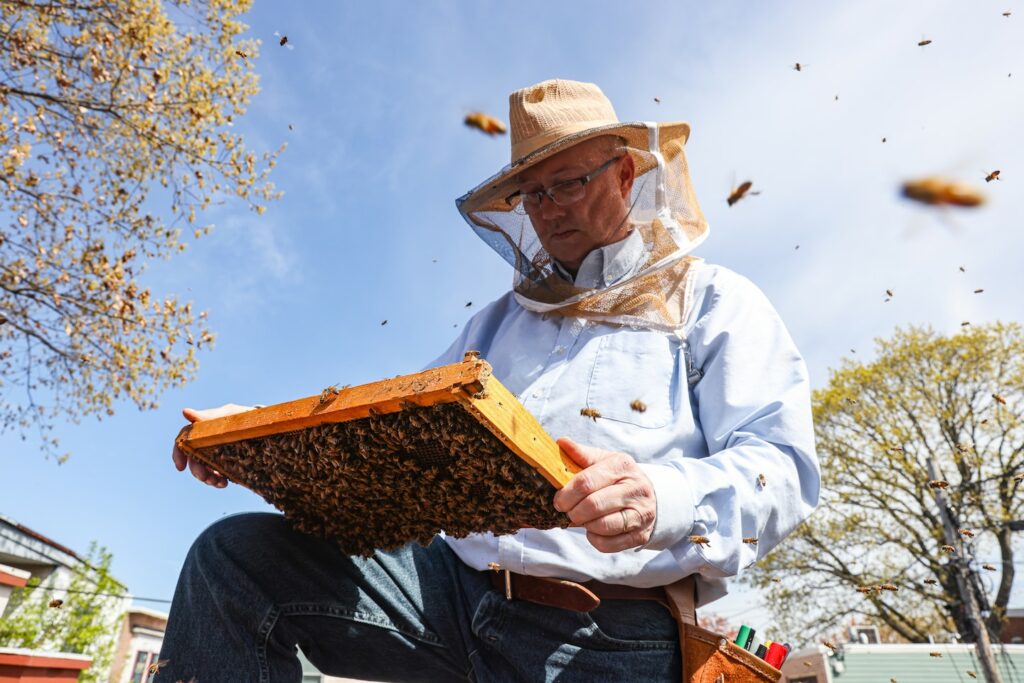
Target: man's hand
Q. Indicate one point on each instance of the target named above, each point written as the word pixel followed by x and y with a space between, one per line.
pixel 612 498
pixel 200 471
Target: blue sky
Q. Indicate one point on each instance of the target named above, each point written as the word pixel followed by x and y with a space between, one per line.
pixel 375 94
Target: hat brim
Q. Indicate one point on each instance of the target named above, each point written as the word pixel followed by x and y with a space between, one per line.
pixel 493 193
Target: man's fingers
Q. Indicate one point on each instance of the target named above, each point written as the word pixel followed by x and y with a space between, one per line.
pixel 622 521
pixel 606 501
pixel 582 455
pixel 604 473
pixel 614 544
pixel 179 458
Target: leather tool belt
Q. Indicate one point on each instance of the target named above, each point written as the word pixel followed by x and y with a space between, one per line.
pixel 707 656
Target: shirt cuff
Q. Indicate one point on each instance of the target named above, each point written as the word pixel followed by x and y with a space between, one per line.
pixel 676 506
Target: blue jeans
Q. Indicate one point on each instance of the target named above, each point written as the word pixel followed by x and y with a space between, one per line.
pixel 252 589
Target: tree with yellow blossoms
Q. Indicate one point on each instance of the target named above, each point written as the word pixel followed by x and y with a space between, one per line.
pixel 932 418
pixel 115 134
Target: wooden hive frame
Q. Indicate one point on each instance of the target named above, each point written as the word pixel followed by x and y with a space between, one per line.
pixel 469 383
pixel 293 455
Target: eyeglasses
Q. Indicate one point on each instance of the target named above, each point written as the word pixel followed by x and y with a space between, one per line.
pixel 562 194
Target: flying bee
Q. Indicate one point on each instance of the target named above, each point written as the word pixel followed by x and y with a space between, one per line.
pixel 493 566
pixel 948 549
pixel 898 449
pixel 979 290
pixel 967 533
pixel 931 582
pixel 1018 478
pixel 241 54
pixel 934 654
pixel 592 413
pixel 923 42
pixel 485 123
pixel 657 100
pixel 798 66
pixel 889 587
pixel 56 603
pixel 865 589
pixel 938 484
pixel 638 405
pixel 994 175
pixel 988 567
pixel 971 673
pixel 468 304
pixel 829 644
pixel 155 667
pixel 889 292
pixel 283 41
pixel 936 191
pixel 700 540
pixel 740 191
pixel 965 323
pixel 1006 14
pixel 762 480
pixel 999 399
pixel 750 540
pixel 383 322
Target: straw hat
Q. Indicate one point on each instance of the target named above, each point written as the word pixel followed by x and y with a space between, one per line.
pixel 554 115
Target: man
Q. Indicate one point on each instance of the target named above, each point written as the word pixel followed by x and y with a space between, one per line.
pixel 695 438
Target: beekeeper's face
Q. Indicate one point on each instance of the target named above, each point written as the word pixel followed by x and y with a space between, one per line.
pixel 578 199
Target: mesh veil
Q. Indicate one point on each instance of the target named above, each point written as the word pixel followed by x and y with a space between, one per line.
pixel 664 212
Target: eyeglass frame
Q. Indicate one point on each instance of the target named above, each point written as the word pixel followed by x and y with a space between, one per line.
pixel 583 180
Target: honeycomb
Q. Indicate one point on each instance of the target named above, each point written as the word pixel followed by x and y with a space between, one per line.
pixel 388 479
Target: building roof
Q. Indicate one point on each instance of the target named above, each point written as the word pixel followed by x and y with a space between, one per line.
pixel 913 663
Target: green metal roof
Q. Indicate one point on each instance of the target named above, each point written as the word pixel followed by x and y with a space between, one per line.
pixel 914 664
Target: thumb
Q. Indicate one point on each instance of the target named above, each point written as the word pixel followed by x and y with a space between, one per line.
pixel 191 415
pixel 582 455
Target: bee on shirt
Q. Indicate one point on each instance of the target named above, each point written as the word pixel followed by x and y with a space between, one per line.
pixel 592 413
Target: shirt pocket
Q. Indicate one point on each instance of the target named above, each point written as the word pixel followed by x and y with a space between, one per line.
pixel 635 366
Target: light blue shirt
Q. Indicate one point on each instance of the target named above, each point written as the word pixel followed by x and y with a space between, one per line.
pixel 728 400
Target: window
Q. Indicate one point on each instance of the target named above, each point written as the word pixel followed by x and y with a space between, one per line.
pixel 143 660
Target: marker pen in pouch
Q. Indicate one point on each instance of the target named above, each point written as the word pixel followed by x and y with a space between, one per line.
pixel 776 653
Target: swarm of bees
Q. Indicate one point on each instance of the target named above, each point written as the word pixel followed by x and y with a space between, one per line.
pixel 592 413
pixel 936 191
pixel 638 405
pixel 484 122
pixel 341 480
pixel 700 540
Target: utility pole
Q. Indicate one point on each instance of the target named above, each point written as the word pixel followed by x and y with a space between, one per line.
pixel 970 603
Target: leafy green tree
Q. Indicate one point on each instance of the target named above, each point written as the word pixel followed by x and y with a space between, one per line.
pixel 86 620
pixel 115 133
pixel 875 549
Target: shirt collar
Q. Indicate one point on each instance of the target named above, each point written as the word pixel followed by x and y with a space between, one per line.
pixel 608 264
